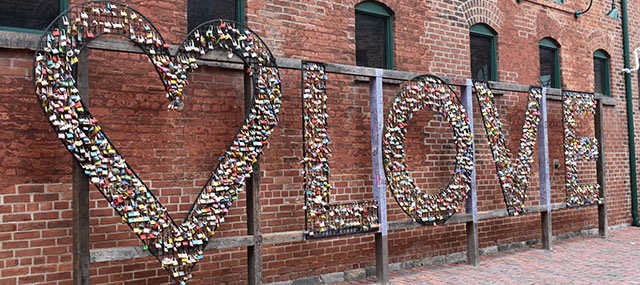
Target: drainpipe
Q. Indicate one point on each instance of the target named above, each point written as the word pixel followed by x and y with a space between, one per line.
pixel 630 128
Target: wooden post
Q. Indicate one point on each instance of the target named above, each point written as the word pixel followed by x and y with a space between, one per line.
pixel 473 251
pixel 543 170
pixel 254 209
pixel 80 189
pixel 376 106
pixel 603 224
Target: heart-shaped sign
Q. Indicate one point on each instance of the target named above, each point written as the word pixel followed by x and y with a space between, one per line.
pixel 178 247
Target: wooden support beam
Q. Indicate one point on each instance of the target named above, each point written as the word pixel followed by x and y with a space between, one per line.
pixel 254 209
pixel 603 224
pixel 382 258
pixel 220 59
pixel 80 190
pixel 376 107
pixel 130 252
pixel 473 250
pixel 543 170
pixel 547 231
pixel 283 237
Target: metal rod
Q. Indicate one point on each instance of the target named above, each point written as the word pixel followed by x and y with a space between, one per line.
pixel 578 12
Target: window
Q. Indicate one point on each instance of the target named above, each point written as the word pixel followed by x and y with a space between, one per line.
pixel 31 16
pixel 601 72
pixel 483 53
pixel 200 11
pixel 374 35
pixel 549 63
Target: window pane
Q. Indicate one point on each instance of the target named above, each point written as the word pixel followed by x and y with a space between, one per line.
pixel 598 71
pixel 548 68
pixel 200 11
pixel 371 34
pixel 480 58
pixel 29 14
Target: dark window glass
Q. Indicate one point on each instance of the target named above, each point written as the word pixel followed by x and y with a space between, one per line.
pixel 480 57
pixel 599 65
pixel 28 14
pixel 371 34
pixel 548 67
pixel 200 11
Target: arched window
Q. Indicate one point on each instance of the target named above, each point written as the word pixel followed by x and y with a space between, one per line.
pixel 200 11
pixel 374 35
pixel 549 63
pixel 601 72
pixel 484 65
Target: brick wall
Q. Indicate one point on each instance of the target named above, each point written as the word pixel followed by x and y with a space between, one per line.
pixel 174 152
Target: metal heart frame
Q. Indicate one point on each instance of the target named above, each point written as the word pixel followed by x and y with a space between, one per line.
pixel 177 247
pixel 321 218
pixel 415 95
pixel 514 179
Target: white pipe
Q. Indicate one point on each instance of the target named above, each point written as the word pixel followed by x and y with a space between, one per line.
pixel 635 54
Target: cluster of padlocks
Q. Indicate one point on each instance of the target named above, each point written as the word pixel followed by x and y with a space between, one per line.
pixel 578 149
pixel 513 176
pixel 420 93
pixel 324 219
pixel 179 247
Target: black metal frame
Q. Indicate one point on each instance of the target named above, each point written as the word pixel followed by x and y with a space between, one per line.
pixel 389 183
pixel 564 141
pixel 164 52
pixel 329 233
pixel 510 210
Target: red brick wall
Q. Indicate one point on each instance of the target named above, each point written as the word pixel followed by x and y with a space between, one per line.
pixel 174 152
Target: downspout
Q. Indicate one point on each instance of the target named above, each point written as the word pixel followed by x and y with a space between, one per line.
pixel 630 128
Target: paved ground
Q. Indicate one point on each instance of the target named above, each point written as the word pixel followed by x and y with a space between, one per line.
pixel 585 260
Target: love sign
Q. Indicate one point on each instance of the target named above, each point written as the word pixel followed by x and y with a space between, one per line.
pixel 178 247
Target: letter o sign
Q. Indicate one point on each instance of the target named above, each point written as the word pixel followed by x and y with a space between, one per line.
pixel 427 91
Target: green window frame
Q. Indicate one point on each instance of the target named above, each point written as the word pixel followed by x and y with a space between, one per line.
pixel 482 30
pixel 241 15
pixel 606 72
pixel 64 5
pixel 552 45
pixel 378 10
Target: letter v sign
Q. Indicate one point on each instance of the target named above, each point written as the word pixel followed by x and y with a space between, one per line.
pixel 513 176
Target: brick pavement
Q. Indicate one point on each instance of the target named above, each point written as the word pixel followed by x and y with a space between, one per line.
pixel 584 260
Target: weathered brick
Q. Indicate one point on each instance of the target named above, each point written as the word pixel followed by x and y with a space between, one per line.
pixel 30 188
pixel 16 198
pixel 16 271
